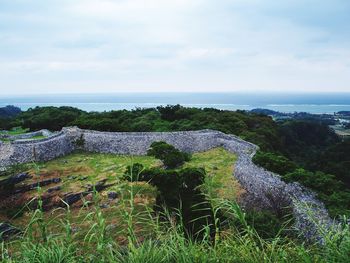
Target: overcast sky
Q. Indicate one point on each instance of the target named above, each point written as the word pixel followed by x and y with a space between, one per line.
pixel 51 46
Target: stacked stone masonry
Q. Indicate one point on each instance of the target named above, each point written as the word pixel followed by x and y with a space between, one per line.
pixel 24 136
pixel 263 187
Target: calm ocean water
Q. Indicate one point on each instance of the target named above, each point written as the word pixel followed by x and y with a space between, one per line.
pixel 313 103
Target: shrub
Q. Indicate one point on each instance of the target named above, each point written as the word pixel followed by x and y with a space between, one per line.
pixel 179 192
pixel 160 149
pixel 274 162
pixel 80 142
pixel 318 181
pixel 174 159
pixel 192 177
pixel 265 223
pixel 168 182
pixel 170 156
pixel 329 189
pixel 133 172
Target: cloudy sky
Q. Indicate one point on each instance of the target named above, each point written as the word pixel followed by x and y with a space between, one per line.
pixel 51 46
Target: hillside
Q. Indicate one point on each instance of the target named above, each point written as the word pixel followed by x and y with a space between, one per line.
pixel 67 206
pixel 301 142
pixel 9 112
pixel 70 178
pixel 160 207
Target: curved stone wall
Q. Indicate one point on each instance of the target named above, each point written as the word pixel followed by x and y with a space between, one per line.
pixel 263 187
pixel 25 136
pixel 25 151
pixel 139 143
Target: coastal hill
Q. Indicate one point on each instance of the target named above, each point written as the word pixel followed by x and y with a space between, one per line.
pixel 123 175
pixel 9 111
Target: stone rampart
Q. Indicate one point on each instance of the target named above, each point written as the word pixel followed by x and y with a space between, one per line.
pixel 138 143
pixel 264 188
pixel 25 136
pixel 25 151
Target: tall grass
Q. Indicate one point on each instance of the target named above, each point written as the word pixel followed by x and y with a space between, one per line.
pixel 165 240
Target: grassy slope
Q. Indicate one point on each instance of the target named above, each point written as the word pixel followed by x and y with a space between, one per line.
pixel 81 169
pixel 219 165
pixel 127 232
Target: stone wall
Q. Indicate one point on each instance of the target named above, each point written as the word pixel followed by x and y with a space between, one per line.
pixel 25 151
pixel 138 143
pixel 25 136
pixel 264 188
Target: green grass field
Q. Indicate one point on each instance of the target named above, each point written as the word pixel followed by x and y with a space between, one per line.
pixel 19 131
pixel 126 230
pixel 81 169
pixel 16 131
pixel 93 167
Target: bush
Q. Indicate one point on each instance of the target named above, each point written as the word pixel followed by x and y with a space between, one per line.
pixel 318 181
pixel 179 192
pixel 174 159
pixel 331 191
pixel 80 142
pixel 192 177
pixel 160 149
pixel 170 156
pixel 168 182
pixel 274 162
pixel 265 223
pixel 133 172
pixel 172 183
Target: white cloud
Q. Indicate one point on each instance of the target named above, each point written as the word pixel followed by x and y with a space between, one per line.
pixel 200 53
pixel 173 44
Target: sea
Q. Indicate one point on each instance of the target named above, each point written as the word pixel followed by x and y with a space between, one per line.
pixel 317 103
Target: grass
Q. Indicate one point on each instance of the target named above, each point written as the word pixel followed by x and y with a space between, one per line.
pixel 166 241
pixel 218 164
pixel 76 172
pixel 38 137
pixel 129 231
pixel 17 131
pixel 78 169
pixel 81 169
pixel 32 138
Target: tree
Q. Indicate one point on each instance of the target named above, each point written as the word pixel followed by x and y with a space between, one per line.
pixel 9 111
pixel 274 162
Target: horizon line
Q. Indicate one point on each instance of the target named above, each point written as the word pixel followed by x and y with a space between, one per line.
pixel 174 92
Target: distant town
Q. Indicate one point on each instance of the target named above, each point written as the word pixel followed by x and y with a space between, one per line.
pixel 339 121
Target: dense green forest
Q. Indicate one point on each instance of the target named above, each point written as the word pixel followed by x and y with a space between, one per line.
pixel 9 112
pixel 300 150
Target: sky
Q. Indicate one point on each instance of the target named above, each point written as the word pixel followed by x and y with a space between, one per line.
pixel 90 46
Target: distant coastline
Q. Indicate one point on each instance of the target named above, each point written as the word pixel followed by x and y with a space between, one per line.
pixel 317 103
